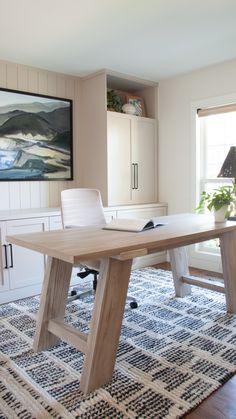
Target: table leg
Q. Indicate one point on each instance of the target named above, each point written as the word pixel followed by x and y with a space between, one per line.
pixel 106 323
pixel 179 266
pixel 228 254
pixel 53 301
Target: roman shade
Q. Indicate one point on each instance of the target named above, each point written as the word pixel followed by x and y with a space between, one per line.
pixel 217 110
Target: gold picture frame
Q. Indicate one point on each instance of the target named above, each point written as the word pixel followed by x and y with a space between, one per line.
pixel 138 103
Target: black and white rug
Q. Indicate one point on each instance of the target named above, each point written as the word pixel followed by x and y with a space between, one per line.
pixel 173 353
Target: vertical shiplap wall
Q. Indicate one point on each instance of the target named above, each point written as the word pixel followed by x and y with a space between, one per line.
pixel 38 194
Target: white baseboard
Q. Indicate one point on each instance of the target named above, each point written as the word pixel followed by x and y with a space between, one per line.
pixel 30 290
pixel 19 293
pixel 150 260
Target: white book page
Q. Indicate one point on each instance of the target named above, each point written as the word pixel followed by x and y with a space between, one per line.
pixel 131 224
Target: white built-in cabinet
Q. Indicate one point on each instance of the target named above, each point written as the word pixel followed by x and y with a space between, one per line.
pixel 119 150
pixel 22 270
pixel 132 151
pixel 32 269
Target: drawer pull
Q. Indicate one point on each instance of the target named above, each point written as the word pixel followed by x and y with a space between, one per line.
pixel 11 254
pixel 6 260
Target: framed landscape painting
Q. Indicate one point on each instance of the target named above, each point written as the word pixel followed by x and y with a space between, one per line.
pixel 35 137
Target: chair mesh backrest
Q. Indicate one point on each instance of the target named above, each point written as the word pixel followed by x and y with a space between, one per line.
pixel 81 207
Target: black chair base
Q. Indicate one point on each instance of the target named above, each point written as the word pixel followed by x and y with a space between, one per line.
pixel 74 295
pixel 133 302
pixel 88 271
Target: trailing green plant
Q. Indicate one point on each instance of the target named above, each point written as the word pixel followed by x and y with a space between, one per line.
pixel 114 101
pixel 218 198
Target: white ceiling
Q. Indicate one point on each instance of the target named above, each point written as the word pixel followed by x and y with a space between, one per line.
pixel 151 39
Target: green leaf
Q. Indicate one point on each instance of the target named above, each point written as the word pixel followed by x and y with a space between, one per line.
pixel 224 195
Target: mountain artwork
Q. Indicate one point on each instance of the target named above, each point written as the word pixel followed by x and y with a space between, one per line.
pixel 35 137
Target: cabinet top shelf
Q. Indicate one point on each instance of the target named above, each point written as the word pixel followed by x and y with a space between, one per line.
pixel 28 213
pixel 50 211
pixel 141 94
pixel 125 115
pixel 127 84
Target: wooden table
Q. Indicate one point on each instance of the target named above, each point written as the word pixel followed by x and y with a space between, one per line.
pixel 116 251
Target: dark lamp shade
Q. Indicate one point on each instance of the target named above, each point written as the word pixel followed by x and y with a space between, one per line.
pixel 228 168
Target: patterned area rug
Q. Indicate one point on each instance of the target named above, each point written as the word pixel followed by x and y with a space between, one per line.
pixel 173 353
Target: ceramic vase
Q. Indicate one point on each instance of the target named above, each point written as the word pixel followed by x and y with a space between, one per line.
pixel 129 108
pixel 220 214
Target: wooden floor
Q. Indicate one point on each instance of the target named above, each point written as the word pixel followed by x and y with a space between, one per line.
pixel 221 404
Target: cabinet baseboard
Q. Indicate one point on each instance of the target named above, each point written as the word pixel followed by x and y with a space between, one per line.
pixel 150 260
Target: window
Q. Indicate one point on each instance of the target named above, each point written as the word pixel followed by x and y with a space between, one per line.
pixel 217 135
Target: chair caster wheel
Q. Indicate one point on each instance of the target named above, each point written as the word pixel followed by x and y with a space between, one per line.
pixel 73 292
pixel 133 304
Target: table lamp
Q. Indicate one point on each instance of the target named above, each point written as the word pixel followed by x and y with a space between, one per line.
pixel 228 169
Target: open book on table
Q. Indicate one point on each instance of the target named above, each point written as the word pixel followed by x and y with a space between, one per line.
pixel 132 224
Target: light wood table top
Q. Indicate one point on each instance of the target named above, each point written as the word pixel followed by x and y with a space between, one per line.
pixel 78 244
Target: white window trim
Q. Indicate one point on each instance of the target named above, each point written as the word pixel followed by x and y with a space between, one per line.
pixel 200 259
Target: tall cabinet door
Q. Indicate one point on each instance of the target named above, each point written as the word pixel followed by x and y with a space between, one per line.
pixel 143 135
pixel 119 159
pixel 32 270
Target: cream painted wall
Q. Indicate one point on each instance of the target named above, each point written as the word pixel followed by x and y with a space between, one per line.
pixel 176 97
pixel 175 148
pixel 16 195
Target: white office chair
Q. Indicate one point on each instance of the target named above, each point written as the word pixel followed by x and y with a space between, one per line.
pixel 83 207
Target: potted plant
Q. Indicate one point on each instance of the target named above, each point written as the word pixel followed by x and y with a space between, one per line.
pixel 220 200
pixel 114 101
